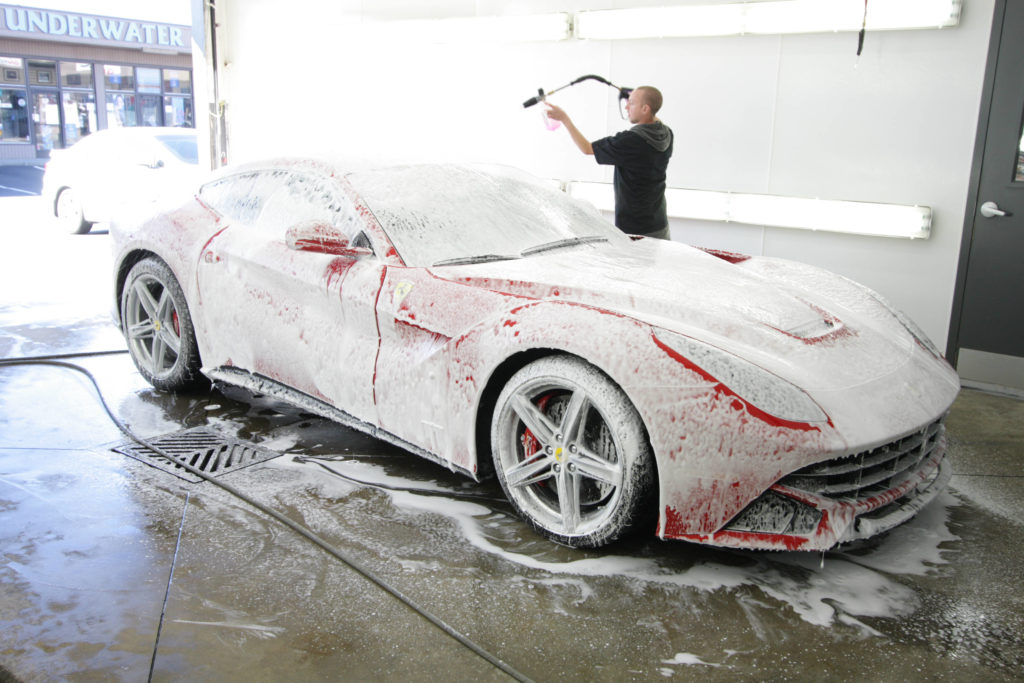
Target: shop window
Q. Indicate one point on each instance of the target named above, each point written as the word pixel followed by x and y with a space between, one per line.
pixel 121 110
pixel 178 112
pixel 177 81
pixel 76 75
pixel 116 77
pixel 13 115
pixel 149 110
pixel 79 116
pixel 148 79
pixel 148 96
pixel 46 121
pixel 42 72
pixel 12 70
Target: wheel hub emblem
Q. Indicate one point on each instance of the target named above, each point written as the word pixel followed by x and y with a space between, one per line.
pixel 558 454
pixel 156 325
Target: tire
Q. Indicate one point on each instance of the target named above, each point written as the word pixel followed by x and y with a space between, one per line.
pixel 69 213
pixel 571 453
pixel 157 325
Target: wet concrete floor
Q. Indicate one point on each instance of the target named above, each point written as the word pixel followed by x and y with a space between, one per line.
pixel 112 569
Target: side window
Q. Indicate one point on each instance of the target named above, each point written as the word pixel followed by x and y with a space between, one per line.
pixel 272 201
pixel 302 197
pixel 241 198
pixel 231 197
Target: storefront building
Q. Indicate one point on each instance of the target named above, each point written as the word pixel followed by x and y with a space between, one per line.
pixel 64 75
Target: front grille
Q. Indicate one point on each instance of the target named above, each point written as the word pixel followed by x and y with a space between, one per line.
pixel 867 474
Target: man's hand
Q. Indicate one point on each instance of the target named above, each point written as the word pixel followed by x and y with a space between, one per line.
pixel 556 113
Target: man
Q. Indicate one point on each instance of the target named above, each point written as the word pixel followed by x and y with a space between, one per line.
pixel 640 156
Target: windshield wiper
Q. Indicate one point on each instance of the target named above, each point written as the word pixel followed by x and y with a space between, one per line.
pixel 466 260
pixel 558 244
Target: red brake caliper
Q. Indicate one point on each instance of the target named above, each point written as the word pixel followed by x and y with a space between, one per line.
pixel 530 443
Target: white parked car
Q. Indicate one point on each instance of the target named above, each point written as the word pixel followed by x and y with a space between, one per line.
pixel 116 170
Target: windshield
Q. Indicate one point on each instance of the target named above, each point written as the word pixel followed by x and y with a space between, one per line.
pixel 438 215
pixel 182 146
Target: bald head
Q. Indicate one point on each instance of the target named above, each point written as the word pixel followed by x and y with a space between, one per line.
pixel 650 96
pixel 644 102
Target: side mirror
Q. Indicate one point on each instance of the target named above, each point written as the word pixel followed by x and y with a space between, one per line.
pixel 321 238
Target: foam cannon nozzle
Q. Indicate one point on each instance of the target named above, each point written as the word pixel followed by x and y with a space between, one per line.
pixel 541 96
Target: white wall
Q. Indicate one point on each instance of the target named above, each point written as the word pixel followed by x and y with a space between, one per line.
pixel 794 115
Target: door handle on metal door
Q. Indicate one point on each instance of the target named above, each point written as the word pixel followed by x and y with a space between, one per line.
pixel 990 210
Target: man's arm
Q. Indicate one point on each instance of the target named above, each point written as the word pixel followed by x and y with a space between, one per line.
pixel 558 114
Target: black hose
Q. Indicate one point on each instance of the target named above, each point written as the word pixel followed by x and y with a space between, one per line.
pixel 321 462
pixel 58 361
pixel 593 77
pixel 62 356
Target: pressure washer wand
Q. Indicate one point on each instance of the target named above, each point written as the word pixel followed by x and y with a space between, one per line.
pixel 541 95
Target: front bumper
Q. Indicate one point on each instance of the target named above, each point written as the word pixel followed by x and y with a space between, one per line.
pixel 846 499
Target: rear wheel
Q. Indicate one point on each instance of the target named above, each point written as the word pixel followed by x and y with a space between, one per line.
pixel 158 328
pixel 69 213
pixel 571 452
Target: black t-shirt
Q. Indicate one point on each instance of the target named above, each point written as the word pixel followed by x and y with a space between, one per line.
pixel 639 179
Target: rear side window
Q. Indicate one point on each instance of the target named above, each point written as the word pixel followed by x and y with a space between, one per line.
pixel 272 201
pixel 303 197
pixel 240 197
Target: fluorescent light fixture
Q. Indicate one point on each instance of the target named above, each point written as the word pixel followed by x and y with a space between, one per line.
pixel 856 218
pixel 770 17
pixel 601 195
pixel 859 218
pixel 698 204
pixel 660 22
pixel 497 29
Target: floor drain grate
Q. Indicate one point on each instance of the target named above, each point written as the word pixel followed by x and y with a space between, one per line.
pixel 200 448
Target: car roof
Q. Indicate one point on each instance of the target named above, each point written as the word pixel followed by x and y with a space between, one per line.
pixel 135 132
pixel 340 167
pixel 144 131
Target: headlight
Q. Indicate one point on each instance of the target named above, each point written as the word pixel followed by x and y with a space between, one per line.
pixel 911 327
pixel 757 386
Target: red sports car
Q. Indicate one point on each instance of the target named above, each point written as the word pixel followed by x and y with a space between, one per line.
pixel 484 319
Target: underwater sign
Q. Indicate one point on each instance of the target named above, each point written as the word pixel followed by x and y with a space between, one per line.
pixel 90 29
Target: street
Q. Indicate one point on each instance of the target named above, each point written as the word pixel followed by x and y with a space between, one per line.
pixel 20 180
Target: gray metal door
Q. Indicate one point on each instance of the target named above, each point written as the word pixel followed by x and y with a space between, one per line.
pixel 991 278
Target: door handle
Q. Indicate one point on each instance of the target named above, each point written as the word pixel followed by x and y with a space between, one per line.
pixel 990 210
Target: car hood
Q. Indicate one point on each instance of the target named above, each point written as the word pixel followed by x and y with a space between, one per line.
pixel 812 327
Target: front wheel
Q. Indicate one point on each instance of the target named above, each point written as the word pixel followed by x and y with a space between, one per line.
pixel 571 452
pixel 158 328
